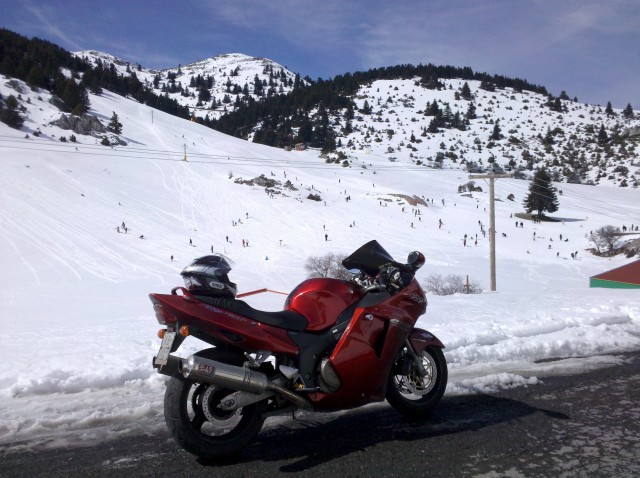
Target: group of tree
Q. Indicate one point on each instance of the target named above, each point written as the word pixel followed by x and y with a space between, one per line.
pixel 274 120
pixel 445 118
pixel 9 112
pixel 40 63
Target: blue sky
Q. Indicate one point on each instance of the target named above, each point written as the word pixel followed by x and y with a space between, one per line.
pixel 588 48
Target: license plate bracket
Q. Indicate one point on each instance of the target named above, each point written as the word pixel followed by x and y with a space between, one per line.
pixel 165 348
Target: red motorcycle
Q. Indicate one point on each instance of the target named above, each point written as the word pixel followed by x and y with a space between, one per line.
pixel 336 345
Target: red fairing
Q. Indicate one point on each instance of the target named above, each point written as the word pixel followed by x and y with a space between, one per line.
pixel 364 355
pixel 224 325
pixel 322 300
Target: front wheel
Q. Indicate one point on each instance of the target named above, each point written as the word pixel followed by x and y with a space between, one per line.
pixel 193 415
pixel 412 394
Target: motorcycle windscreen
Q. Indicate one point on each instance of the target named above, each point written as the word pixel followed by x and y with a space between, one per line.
pixel 368 258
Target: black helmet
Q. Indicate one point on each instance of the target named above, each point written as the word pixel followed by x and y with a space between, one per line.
pixel 207 275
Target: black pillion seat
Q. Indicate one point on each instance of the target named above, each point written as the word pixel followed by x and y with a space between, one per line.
pixel 284 319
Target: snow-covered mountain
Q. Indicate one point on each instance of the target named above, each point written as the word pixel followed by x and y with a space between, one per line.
pixel 228 79
pixel 78 331
pixel 484 128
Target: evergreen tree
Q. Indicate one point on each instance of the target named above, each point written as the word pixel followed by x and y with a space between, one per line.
pixel 465 91
pixel 74 96
pixel 471 112
pixel 433 125
pixel 9 112
pixel 628 111
pixel 609 110
pixel 432 109
pixel 603 137
pixel 114 125
pixel 496 135
pixel 542 195
pixel 204 95
pixel 366 108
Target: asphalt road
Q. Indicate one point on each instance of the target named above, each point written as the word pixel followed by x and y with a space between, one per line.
pixel 585 425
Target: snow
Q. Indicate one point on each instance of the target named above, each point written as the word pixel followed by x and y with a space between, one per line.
pixel 78 330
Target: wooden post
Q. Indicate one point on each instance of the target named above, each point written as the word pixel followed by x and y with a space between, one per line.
pixel 492 222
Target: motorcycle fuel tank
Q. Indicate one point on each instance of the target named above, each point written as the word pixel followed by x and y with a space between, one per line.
pixel 321 300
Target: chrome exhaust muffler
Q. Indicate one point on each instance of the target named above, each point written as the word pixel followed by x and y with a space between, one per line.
pixel 200 369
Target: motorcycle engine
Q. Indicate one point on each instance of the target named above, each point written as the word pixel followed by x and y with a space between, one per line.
pixel 328 378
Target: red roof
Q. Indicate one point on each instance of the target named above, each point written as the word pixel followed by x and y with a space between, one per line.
pixel 629 273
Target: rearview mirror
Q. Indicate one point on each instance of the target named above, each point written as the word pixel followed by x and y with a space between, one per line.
pixel 415 260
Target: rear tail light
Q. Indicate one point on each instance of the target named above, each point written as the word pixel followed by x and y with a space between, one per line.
pixel 162 315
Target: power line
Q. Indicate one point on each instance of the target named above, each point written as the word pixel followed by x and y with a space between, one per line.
pixel 138 153
pixel 215 158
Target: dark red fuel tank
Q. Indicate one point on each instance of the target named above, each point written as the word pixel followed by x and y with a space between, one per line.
pixel 322 300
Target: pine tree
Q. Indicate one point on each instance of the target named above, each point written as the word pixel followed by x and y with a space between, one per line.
pixel 9 112
pixel 609 109
pixel 465 91
pixel 471 112
pixel 628 111
pixel 366 108
pixel 74 96
pixel 114 125
pixel 496 135
pixel 542 195
pixel 603 137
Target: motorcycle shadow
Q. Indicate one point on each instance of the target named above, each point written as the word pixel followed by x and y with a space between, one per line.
pixel 312 439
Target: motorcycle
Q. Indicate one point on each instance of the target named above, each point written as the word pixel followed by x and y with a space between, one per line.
pixel 337 345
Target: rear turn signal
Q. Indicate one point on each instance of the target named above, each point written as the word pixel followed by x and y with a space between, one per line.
pixel 184 330
pixel 161 333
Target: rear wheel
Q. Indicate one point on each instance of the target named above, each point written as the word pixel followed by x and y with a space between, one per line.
pixel 193 415
pixel 409 392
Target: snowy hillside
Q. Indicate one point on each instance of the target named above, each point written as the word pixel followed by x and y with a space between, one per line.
pixel 482 127
pixel 393 121
pixel 228 80
pixel 78 330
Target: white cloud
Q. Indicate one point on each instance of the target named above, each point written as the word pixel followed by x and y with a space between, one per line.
pixel 44 22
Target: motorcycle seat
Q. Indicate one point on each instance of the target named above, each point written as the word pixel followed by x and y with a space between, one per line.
pixel 284 319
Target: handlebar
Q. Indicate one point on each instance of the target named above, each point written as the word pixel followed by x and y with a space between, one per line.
pixel 390 279
pixel 374 288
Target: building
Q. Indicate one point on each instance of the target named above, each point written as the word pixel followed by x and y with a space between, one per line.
pixel 624 277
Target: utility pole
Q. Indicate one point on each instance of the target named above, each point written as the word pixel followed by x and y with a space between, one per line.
pixel 492 221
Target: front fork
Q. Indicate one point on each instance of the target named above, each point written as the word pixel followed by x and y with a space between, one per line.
pixel 416 343
pixel 417 361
